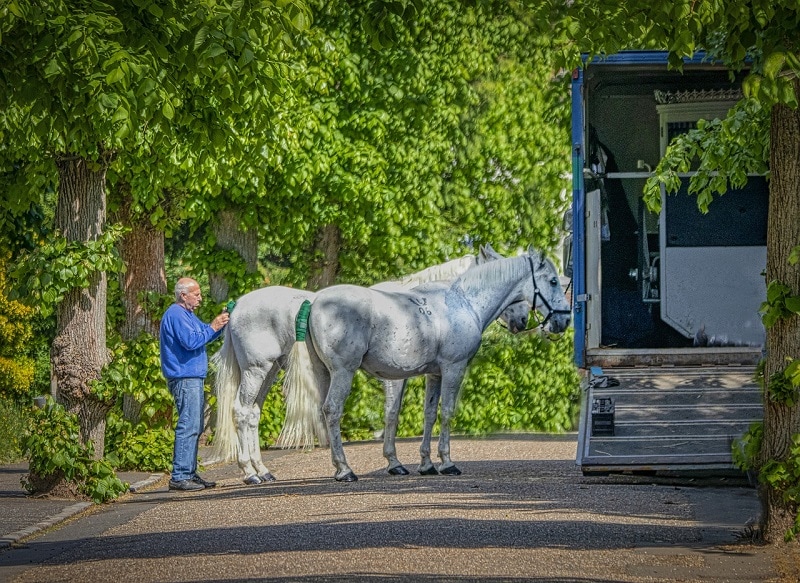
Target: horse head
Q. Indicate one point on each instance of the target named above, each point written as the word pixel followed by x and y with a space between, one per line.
pixel 549 299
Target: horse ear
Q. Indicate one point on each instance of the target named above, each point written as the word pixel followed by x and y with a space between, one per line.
pixel 487 253
pixel 536 256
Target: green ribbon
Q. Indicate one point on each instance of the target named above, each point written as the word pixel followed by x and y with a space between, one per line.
pixel 301 321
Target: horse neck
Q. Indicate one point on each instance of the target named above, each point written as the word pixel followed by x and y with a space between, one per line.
pixel 490 288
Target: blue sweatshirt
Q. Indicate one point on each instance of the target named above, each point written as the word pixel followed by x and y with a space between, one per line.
pixel 183 344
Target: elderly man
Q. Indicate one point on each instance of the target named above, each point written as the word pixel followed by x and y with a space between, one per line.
pixel 184 363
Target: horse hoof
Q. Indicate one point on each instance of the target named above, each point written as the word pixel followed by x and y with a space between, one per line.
pixel 348 477
pixel 398 471
pixel 267 478
pixel 431 471
pixel 252 480
pixel 450 471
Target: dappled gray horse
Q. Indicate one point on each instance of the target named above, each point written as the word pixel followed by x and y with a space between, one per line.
pixel 433 329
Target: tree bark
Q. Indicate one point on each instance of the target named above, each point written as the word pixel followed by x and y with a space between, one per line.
pixel 230 235
pixel 781 421
pixel 142 252
pixel 325 267
pixel 79 351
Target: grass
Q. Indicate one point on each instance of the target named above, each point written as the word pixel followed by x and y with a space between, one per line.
pixel 13 421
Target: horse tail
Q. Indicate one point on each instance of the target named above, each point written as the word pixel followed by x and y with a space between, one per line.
pixel 304 420
pixel 228 376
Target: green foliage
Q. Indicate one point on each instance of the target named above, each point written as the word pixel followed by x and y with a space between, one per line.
pixel 723 152
pixel 780 304
pixel 784 476
pixel 13 422
pixel 226 263
pixel 782 387
pixel 740 33
pixel 445 137
pixel 794 256
pixel 273 414
pixel 744 450
pixel 363 413
pixel 140 446
pixel 53 446
pixel 135 369
pixel 47 274
pixel 522 382
pixel 135 372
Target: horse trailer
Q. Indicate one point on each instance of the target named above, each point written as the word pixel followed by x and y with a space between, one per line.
pixel 666 306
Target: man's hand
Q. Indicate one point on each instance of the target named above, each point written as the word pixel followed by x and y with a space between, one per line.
pixel 219 322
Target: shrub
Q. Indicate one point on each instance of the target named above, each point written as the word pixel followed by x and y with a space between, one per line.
pixel 57 457
pixel 13 421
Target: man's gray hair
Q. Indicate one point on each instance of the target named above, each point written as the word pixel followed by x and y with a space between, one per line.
pixel 182 286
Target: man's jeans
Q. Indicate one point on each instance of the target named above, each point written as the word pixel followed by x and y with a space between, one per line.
pixel 189 400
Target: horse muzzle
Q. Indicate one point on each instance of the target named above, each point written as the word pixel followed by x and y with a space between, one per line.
pixel 558 323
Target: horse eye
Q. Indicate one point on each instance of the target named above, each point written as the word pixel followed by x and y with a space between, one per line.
pixel 554 281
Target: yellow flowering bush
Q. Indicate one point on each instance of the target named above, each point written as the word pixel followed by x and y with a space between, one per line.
pixel 16 333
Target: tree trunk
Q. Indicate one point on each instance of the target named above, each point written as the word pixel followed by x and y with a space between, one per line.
pixel 783 339
pixel 325 267
pixel 79 349
pixel 142 252
pixel 230 235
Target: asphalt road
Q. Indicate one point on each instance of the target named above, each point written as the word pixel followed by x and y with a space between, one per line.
pixel 521 511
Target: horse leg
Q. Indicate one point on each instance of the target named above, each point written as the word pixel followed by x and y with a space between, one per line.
pixel 450 387
pixel 433 385
pixel 247 411
pixel 333 409
pixel 256 460
pixel 391 413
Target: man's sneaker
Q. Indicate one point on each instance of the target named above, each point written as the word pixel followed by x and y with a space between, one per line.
pixel 185 485
pixel 204 483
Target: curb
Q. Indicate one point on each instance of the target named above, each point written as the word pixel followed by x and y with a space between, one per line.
pixel 7 540
pixel 142 484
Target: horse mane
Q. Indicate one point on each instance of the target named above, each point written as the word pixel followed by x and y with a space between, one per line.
pixel 443 272
pixel 490 272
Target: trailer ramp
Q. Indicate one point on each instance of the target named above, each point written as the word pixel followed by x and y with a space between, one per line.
pixel 665 418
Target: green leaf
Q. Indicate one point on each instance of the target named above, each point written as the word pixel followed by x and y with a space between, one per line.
pixel 114 76
pixel 793 304
pixel 773 64
pixel 167 110
pixel 121 114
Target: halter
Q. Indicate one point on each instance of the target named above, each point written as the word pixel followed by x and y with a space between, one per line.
pixel 537 293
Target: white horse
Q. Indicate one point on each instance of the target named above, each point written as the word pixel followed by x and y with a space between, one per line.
pixel 257 342
pixel 433 329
